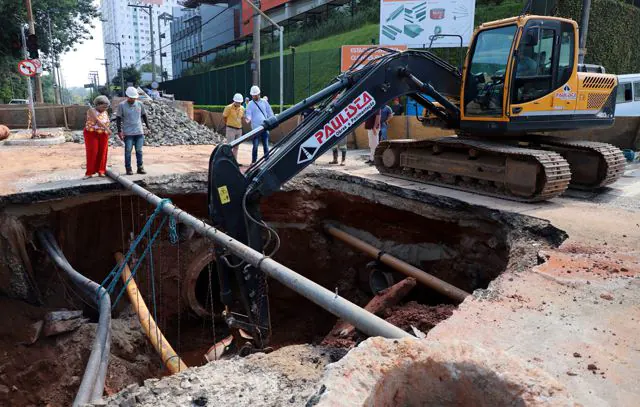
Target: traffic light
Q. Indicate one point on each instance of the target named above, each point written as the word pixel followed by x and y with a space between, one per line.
pixel 16 46
pixel 32 46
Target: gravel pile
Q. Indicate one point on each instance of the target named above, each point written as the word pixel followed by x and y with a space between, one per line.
pixel 169 127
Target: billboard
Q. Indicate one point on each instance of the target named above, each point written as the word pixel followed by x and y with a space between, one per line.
pixel 350 53
pixel 416 22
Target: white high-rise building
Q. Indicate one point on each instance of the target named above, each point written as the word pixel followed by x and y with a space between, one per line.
pixel 130 27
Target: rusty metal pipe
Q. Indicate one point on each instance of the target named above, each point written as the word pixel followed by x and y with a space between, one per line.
pixel 169 356
pixel 365 321
pixel 425 278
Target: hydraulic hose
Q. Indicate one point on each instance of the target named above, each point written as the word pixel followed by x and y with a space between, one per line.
pixel 92 385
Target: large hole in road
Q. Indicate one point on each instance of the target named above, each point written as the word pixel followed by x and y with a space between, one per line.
pixel 466 249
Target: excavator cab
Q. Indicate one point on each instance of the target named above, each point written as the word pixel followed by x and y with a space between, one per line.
pixel 521 76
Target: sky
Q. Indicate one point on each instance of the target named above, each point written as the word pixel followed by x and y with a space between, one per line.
pixel 77 64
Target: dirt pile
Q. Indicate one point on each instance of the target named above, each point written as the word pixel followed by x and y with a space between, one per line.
pixel 169 127
pixel 287 376
pixel 423 317
pixel 49 371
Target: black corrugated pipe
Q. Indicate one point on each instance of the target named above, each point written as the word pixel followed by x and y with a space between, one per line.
pixel 92 385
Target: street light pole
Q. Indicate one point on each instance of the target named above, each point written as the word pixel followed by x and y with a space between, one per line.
pixel 56 87
pixel 149 10
pixel 106 65
pixel 32 30
pixel 166 17
pixel 117 44
pixel 281 30
pixel 34 128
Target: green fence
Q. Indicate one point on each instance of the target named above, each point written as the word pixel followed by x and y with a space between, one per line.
pixel 304 74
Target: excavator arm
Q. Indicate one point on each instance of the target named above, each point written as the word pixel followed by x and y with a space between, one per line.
pixel 234 197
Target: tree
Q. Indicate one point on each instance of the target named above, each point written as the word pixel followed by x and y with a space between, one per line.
pixel 147 68
pixel 71 21
pixel 130 73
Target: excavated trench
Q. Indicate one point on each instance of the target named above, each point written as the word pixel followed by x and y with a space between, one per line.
pixel 463 246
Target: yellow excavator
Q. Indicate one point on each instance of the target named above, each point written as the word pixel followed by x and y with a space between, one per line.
pixel 520 80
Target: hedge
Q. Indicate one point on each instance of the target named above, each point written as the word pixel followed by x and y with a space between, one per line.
pixel 613 39
pixel 220 108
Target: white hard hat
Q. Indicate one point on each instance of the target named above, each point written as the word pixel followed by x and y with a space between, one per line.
pixel 254 90
pixel 237 98
pixel 131 92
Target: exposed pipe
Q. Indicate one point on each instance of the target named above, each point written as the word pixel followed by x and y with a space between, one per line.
pixel 92 385
pixel 169 356
pixel 427 279
pixel 338 306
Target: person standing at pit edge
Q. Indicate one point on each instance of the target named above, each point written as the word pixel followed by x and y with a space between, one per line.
pixel 129 117
pixel 96 137
pixel 232 116
pixel 258 110
pixel 372 125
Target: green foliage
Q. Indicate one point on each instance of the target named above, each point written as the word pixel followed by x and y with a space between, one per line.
pixel 70 24
pixel 613 39
pixel 130 74
pixel 147 68
pixel 220 108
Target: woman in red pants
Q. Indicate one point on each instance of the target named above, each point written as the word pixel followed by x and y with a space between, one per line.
pixel 96 137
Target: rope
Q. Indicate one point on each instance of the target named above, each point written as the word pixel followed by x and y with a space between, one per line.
pixel 112 278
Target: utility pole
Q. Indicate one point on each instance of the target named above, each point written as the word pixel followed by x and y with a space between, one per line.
pixel 106 65
pixel 584 28
pixel 149 10
pixel 166 17
pixel 56 86
pixel 34 128
pixel 281 37
pixel 117 44
pixel 256 44
pixel 32 30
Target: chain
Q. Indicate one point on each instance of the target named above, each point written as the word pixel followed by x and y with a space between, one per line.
pixel 179 298
pixel 213 322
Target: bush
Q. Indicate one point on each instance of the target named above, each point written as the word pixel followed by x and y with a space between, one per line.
pixel 220 108
pixel 613 39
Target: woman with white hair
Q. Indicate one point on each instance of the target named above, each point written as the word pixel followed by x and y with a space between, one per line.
pixel 96 137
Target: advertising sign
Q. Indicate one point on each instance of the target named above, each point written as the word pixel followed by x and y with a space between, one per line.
pixel 416 22
pixel 350 53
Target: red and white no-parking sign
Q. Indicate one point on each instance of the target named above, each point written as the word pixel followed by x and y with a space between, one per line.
pixel 27 68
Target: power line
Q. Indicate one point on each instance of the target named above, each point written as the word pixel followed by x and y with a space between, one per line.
pixel 178 39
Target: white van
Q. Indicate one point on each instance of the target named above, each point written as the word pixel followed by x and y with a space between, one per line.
pixel 628 97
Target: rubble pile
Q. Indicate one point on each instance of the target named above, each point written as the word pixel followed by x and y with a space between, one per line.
pixel 169 127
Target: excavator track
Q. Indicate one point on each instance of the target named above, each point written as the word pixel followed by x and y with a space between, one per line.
pixel 487 168
pixel 593 165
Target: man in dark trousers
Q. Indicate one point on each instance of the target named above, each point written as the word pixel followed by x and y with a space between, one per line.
pixel 129 117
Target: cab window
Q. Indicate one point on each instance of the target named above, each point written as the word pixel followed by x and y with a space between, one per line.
pixel 565 54
pixel 625 93
pixel 534 68
pixel 484 85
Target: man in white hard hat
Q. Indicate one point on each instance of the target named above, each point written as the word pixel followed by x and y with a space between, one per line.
pixel 232 116
pixel 258 110
pixel 129 116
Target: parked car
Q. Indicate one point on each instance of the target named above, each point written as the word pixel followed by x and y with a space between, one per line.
pixel 18 101
pixel 628 97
